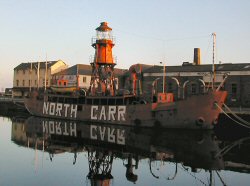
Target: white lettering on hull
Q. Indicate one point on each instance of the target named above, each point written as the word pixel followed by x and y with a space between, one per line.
pixel 93 112
pixel 45 108
pixel 66 106
pixel 57 109
pixel 101 113
pixel 52 108
pixel 111 113
pixel 111 135
pixel 73 111
pixel 108 113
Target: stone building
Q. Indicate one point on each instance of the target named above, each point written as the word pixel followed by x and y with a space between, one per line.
pixel 31 75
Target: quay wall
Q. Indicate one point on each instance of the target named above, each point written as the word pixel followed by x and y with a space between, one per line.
pixel 11 104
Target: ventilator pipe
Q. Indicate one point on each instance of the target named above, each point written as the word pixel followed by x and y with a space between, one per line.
pixel 135 75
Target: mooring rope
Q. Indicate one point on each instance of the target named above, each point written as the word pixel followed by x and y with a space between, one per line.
pixel 242 124
pixel 239 118
pixel 193 175
pixel 222 181
pixel 227 148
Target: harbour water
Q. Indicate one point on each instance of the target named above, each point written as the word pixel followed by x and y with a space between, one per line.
pixel 39 151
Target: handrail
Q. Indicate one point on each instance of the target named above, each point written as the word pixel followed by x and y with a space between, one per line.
pixel 94 39
pixel 11 99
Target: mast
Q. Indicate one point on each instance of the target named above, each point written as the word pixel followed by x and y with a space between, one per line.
pixel 163 77
pixel 38 75
pixel 213 66
pixel 30 75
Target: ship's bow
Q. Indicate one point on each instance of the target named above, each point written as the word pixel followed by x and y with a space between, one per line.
pixel 208 115
pixel 201 111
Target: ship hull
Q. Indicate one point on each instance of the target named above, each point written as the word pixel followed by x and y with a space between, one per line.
pixel 195 112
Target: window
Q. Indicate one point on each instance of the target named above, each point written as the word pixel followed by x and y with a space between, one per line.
pixel 64 83
pixel 23 82
pixel 193 88
pixel 17 83
pixel 234 89
pixel 35 82
pixel 47 82
pixel 84 79
pixel 29 82
pixel 170 87
pixel 23 71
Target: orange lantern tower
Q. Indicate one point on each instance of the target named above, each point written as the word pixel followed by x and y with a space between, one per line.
pixel 102 79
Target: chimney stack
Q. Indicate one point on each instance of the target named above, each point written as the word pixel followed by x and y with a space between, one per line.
pixel 197 58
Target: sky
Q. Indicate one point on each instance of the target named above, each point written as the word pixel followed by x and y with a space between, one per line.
pixel 146 31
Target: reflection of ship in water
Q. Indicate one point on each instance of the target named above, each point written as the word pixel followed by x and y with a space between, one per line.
pixel 188 150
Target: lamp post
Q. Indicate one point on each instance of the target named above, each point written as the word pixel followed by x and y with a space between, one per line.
pixel 163 77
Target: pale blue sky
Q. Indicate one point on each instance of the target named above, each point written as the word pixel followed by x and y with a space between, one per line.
pixel 146 31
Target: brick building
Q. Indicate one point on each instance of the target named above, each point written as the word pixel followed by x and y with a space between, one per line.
pixel 189 79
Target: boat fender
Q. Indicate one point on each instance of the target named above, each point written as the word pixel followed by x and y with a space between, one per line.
pixel 200 121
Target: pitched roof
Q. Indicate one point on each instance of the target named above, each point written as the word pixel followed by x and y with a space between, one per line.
pixel 120 72
pixel 188 67
pixel 24 66
pixel 76 69
pixel 83 69
pixel 143 67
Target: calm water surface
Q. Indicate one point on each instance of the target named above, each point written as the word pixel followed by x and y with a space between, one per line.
pixel 38 151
